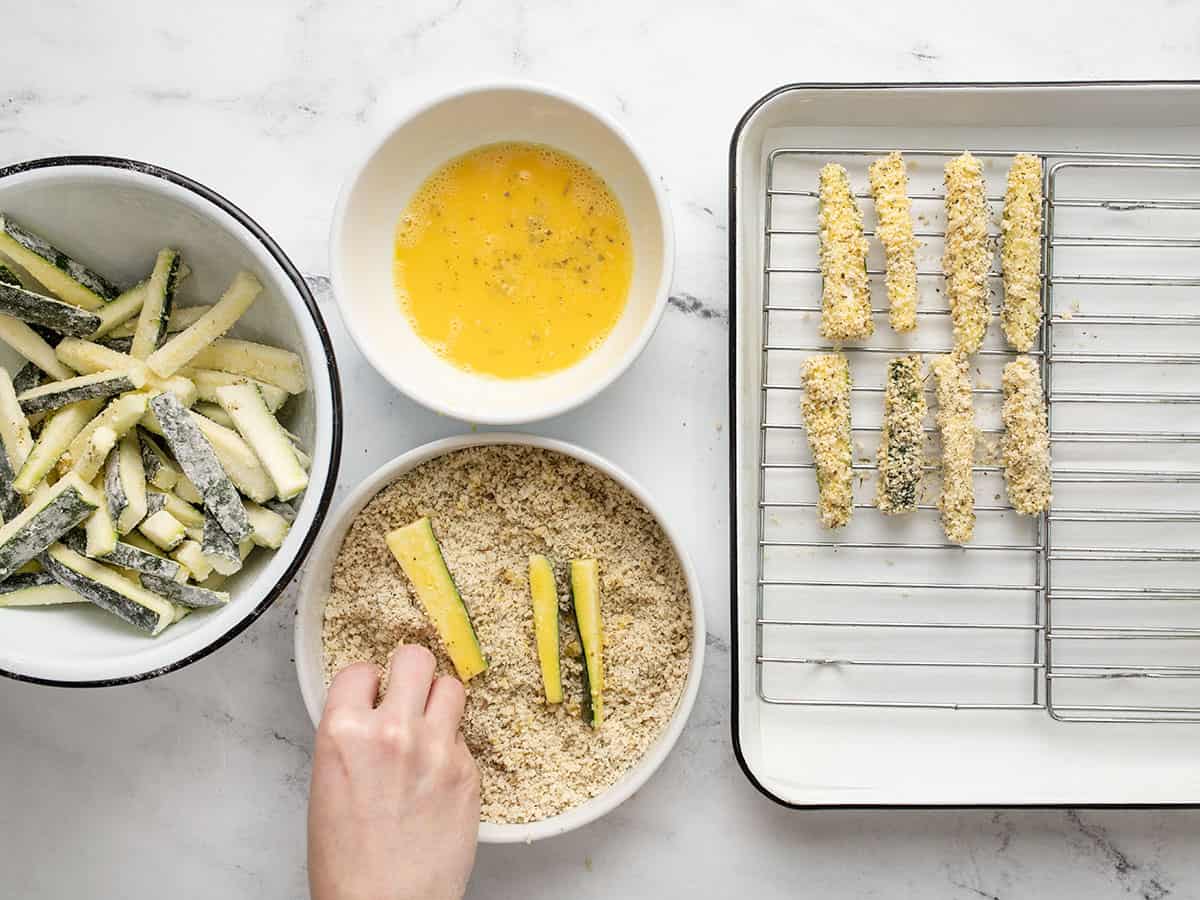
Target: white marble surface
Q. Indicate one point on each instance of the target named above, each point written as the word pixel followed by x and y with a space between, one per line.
pixel 194 785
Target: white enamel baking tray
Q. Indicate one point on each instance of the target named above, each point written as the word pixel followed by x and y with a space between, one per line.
pixel 1027 755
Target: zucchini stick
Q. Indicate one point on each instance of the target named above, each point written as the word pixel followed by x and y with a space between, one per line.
pixel 98 385
pixel 1021 252
pixel 120 415
pixel 156 308
pixel 845 288
pixel 826 409
pixel 125 485
pixel 181 349
pixel 901 458
pixel 100 531
pixel 893 210
pixel 52 443
pixel 207 382
pixel 44 521
pixel 35 589
pixel 14 427
pixel 266 438
pixel 181 316
pixel 36 309
pixel 64 277
pixel 273 365
pixel 32 346
pixel 585 598
pixel 967 256
pixel 544 593
pixel 956 422
pixel 1026 438
pixel 108 589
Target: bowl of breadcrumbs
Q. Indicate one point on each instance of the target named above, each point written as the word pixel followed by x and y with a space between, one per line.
pixel 494 501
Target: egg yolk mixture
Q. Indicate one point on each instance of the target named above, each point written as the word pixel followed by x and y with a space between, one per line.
pixel 513 260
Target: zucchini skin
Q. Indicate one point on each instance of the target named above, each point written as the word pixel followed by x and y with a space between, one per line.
pixel 543 591
pixel 46 526
pixel 11 504
pixel 119 383
pixel 27 378
pixel 76 271
pixel 592 644
pixel 36 309
pixel 140 617
pixel 184 594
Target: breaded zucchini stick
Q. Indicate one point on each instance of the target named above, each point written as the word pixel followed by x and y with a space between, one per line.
pixel 901 457
pixel 845 288
pixel 826 409
pixel 968 254
pixel 1021 252
pixel 889 187
pixel 956 423
pixel 1026 438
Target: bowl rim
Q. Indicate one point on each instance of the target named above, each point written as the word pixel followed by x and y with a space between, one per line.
pixel 632 352
pixel 293 274
pixel 314 589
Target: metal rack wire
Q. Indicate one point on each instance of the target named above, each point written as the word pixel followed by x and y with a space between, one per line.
pixel 818 629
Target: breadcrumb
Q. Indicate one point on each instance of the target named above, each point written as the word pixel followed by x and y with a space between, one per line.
pixel 1021 252
pixel 845 288
pixel 968 254
pixel 901 457
pixel 889 187
pixel 826 409
pixel 1026 438
pixel 956 423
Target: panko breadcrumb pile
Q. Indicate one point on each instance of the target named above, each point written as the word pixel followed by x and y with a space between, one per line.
pixel 491 508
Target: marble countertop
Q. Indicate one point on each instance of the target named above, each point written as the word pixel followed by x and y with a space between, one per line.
pixel 196 782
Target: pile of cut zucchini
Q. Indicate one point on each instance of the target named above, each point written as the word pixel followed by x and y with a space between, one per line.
pixel 142 458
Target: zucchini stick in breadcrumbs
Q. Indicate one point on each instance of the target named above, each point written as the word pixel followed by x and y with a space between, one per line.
pixel 901 457
pixel 826 409
pixel 1021 252
pixel 956 424
pixel 889 187
pixel 967 256
pixel 845 288
pixel 1026 438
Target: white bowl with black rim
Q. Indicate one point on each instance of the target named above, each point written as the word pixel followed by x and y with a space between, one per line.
pixel 114 215
pixel 314 593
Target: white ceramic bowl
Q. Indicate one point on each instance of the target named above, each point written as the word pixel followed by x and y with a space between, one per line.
pixel 376 193
pixel 115 215
pixel 314 591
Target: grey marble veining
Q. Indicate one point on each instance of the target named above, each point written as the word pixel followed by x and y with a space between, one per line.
pixel 195 784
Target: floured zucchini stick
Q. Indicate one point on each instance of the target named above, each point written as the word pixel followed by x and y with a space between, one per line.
pixel 35 589
pixel 272 365
pixel 956 424
pixel 163 530
pixel 125 485
pixel 32 346
pixel 893 210
pixel 216 413
pixel 826 409
pixel 47 518
pixel 99 529
pixel 218 319
pixel 1026 438
pixel 270 528
pixel 28 377
pixel 266 437
pixel 88 357
pixel 196 457
pixel 967 256
pixel 97 386
pixel 90 460
pixel 52 443
pixel 108 589
pixel 1021 252
pixel 191 556
pixel 181 317
pixel 420 556
pixel 120 416
pixel 64 277
pixel 219 547
pixel 34 308
pixel 11 503
pixel 208 381
pixel 845 288
pixel 158 300
pixel 238 460
pixel 585 599
pixel 188 595
pixel 14 427
pixel 161 471
pixel 901 458
pixel 544 592
pixel 127 556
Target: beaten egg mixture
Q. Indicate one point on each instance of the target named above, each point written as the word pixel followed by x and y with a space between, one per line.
pixel 513 260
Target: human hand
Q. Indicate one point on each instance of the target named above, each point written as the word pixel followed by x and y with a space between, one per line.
pixel 394 808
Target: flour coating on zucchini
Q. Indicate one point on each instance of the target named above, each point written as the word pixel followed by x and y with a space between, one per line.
pixel 43 522
pixel 185 594
pixel 181 349
pixel 157 302
pixel 37 309
pixel 35 589
pixel 108 589
pixel 97 386
pixel 65 277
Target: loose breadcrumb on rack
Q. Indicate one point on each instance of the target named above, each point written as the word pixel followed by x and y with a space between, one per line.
pixel 1026 438
pixel 845 288
pixel 956 425
pixel 967 256
pixel 901 458
pixel 493 507
pixel 1021 252
pixel 826 409
pixel 889 187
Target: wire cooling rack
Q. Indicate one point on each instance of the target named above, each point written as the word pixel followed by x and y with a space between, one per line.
pixel 1084 611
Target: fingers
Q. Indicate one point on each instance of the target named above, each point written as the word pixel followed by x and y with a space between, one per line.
pixel 408 684
pixel 444 709
pixel 354 686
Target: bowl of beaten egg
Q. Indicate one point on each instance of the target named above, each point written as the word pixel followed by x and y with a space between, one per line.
pixel 503 254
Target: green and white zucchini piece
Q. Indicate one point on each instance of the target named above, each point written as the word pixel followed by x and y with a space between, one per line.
pixel 219 547
pixel 121 415
pixel 8 276
pixel 266 437
pixel 91 459
pixel 100 531
pixel 108 589
pixel 199 462
pixel 161 471
pixel 11 503
pixel 28 377
pixel 37 309
pixel 272 365
pixel 185 594
pixel 125 485
pixel 191 556
pixel 284 510
pixel 585 598
pixel 128 556
pixel 35 589
pixel 215 412
pixel 62 276
pixel 32 346
pixel 88 358
pixel 96 386
pixel 543 591
pixel 14 427
pixel 47 518
pixel 183 390
pixel 163 529
pixel 181 318
pixel 186 491
pixel 207 382
pixel 238 460
pixel 56 436
pixel 180 509
pixel 270 528
pixel 181 349
pixel 156 309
